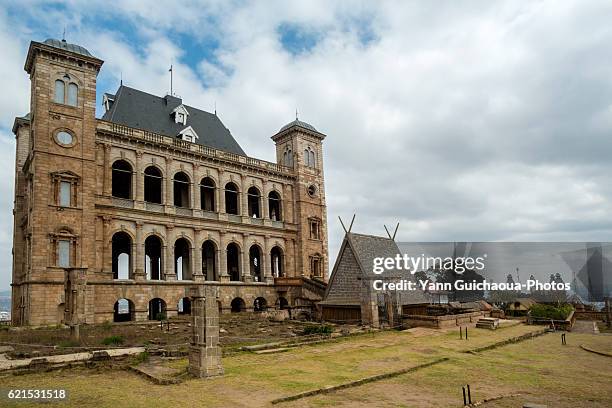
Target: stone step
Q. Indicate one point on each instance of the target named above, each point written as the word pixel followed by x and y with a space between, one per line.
pixel 272 351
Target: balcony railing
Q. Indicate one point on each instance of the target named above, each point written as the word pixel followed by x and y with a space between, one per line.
pixel 154 207
pixel 123 202
pixel 152 137
pixel 234 218
pixel 184 211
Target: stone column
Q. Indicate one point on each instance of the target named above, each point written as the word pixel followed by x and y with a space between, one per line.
pixel 169 187
pixel 245 261
pixel 222 264
pixel 139 271
pixel 108 172
pixel 139 189
pixel 243 198
pixel 205 353
pixel 169 271
pixel 267 261
pixel 265 207
pixel 107 245
pixel 197 257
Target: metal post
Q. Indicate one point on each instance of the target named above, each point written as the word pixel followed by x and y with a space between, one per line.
pixel 469 394
pixel 466 335
pixel 464 400
pixel 460 333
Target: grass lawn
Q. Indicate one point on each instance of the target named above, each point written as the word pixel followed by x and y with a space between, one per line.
pixel 541 368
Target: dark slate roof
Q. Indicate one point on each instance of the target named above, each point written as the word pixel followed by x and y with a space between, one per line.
pixel 300 124
pixel 141 110
pixel 67 46
pixel 20 120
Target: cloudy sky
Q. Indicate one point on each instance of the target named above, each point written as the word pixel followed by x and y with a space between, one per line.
pixel 463 121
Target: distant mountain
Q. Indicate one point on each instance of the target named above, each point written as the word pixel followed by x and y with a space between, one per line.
pixel 5 293
pixel 5 300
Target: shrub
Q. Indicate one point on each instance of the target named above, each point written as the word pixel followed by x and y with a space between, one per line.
pixel 318 329
pixel 551 312
pixel 141 357
pixel 113 341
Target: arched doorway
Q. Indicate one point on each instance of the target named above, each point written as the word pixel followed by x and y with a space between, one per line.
pixel 274 206
pixel 124 310
pixel 153 185
pixel 182 259
pixel 209 262
pixel 233 261
pixel 181 190
pixel 184 306
pixel 231 199
pixel 276 262
pixel 122 255
pixel 207 194
pixel 238 305
pixel 153 252
pixel 260 304
pixel 255 263
pixel 122 179
pixel 157 309
pixel 282 303
pixel 253 200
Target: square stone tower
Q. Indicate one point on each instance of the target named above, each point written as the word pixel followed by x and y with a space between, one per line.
pixel 57 201
pixel 299 145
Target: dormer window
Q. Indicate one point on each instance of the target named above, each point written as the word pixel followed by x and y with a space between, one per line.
pixel 180 114
pixel 188 135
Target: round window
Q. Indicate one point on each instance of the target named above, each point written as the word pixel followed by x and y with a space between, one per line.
pixel 312 190
pixel 64 138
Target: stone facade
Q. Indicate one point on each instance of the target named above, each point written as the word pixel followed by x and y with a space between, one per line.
pixel 92 230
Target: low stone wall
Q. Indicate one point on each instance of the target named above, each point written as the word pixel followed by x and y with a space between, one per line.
pixel 601 316
pixel 441 322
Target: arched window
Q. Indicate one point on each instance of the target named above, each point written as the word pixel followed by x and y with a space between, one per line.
pixel 157 309
pixel 276 262
pixel 122 179
pixel 59 91
pixel 153 250
pixel 288 158
pixel 124 310
pixel 207 194
pixel 274 206
pixel 182 261
pixel 233 262
pixel 181 190
pixel 122 256
pixel 73 91
pixel 253 199
pixel 231 199
pixel 309 158
pixel 209 267
pixel 153 185
pixel 255 263
pixel 66 92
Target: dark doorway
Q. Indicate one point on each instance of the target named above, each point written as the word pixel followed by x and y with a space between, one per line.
pixel 157 309
pixel 231 199
pixel 238 305
pixel 123 311
pixel 233 262
pixel 207 194
pixel 181 190
pixel 209 264
pixel 274 206
pixel 260 304
pixel 255 263
pixel 182 259
pixel 253 199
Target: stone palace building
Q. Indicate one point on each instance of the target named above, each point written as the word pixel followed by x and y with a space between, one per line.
pixel 116 218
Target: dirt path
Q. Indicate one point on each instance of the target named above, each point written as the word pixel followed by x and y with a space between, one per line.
pixel 585 326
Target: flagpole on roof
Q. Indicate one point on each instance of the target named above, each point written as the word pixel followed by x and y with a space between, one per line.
pixel 171 72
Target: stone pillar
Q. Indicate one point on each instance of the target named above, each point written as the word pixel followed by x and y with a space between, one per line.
pixel 139 271
pixel 243 198
pixel 197 257
pixel 107 245
pixel 266 261
pixel 169 271
pixel 169 186
pixel 245 261
pixel 108 172
pixel 265 207
pixel 197 198
pixel 369 305
pixel 139 182
pixel 205 353
pixel 222 265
